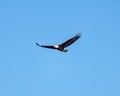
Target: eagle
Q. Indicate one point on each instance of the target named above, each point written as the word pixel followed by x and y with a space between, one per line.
pixel 61 47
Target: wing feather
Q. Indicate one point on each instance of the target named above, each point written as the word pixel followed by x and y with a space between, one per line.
pixel 70 41
pixel 46 46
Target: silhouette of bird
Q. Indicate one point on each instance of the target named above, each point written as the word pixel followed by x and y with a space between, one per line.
pixel 61 47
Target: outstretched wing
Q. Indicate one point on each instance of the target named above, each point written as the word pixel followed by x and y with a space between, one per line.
pixel 70 41
pixel 52 47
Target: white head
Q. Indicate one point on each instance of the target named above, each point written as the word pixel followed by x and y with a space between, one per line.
pixel 56 46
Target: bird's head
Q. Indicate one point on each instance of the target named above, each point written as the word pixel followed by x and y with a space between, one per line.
pixel 56 46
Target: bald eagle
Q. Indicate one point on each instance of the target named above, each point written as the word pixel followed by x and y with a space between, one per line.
pixel 61 47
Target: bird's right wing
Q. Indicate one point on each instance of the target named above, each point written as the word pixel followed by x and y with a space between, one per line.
pixel 46 46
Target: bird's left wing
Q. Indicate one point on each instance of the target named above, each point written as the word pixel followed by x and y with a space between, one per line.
pixel 70 41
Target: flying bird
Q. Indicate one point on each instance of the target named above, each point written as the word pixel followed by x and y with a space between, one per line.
pixel 61 47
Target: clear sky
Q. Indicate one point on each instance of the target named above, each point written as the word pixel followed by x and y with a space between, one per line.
pixel 91 67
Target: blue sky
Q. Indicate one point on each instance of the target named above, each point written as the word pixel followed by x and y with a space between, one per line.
pixel 91 67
